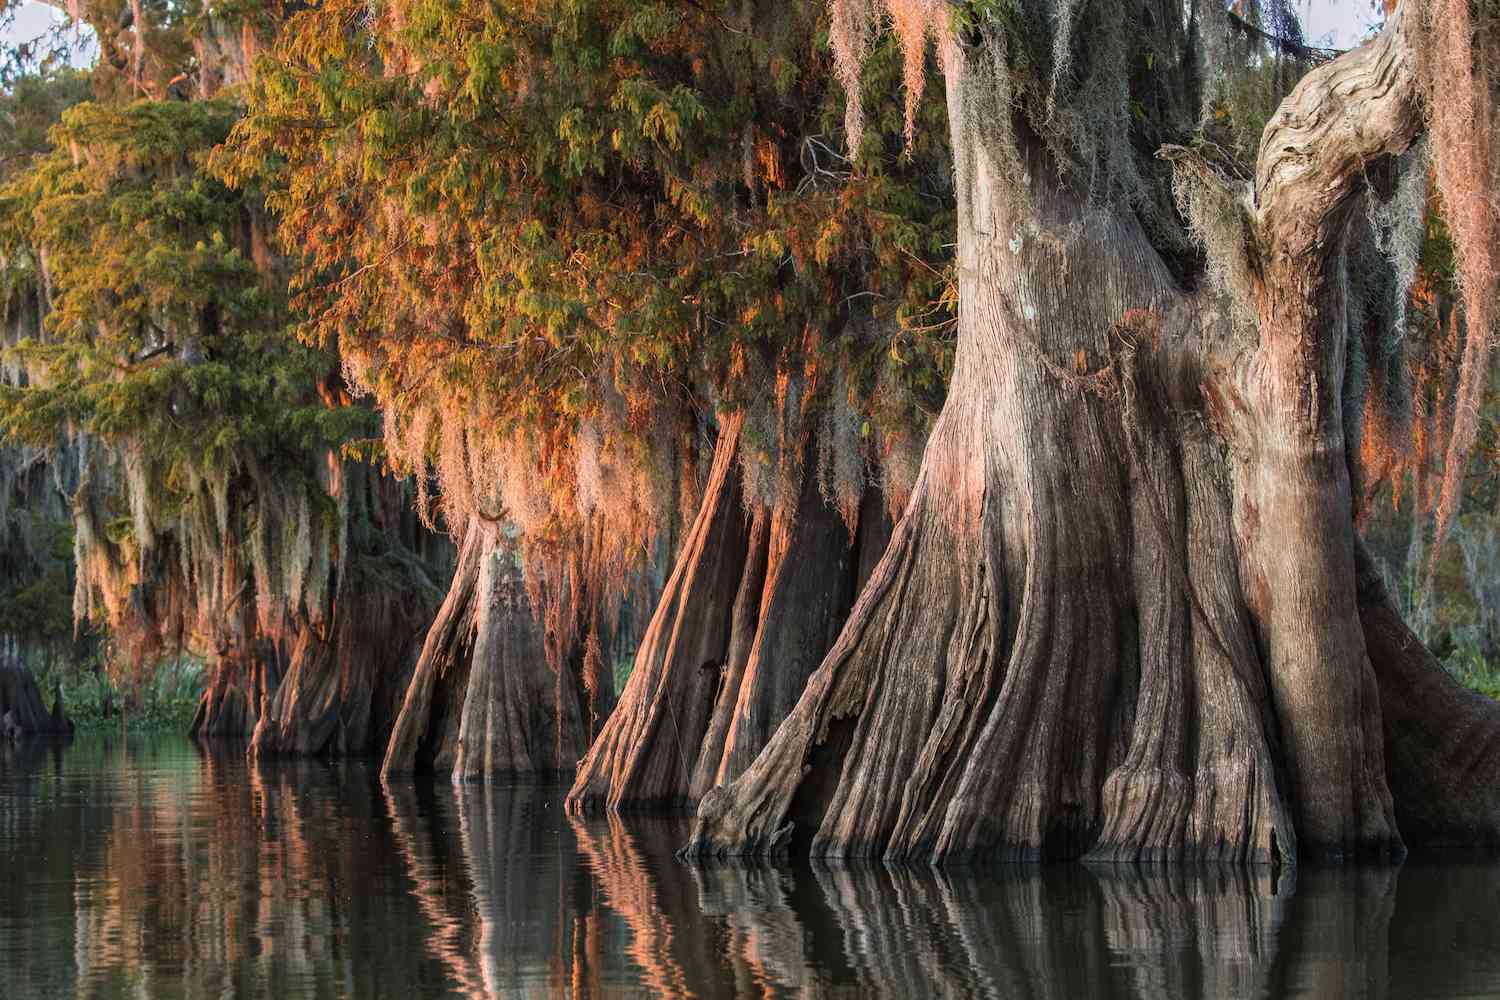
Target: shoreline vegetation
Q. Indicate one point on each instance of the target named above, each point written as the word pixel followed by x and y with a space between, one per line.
pixel 167 702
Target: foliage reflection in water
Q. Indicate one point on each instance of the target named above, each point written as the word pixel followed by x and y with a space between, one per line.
pixel 146 867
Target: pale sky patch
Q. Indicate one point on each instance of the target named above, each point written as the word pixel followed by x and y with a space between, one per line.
pixel 32 19
pixel 1338 24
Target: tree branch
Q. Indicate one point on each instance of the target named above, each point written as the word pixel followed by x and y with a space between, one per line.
pixel 1361 106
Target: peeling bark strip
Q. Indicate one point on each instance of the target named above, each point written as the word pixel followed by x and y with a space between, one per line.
pixel 485 699
pixel 754 601
pixel 1120 617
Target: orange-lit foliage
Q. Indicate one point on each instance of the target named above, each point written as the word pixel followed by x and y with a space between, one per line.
pixel 554 239
pixel 1461 68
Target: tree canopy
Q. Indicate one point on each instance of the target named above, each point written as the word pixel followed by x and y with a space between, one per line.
pixel 202 447
pixel 552 239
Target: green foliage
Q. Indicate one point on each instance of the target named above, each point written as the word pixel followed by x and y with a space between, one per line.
pixel 164 701
pixel 1474 671
pixel 29 107
pixel 163 376
pixel 36 599
pixel 161 330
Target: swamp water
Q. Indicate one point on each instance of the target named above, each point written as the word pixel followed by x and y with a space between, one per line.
pixel 144 867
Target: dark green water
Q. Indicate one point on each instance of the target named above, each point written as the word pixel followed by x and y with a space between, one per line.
pixel 145 868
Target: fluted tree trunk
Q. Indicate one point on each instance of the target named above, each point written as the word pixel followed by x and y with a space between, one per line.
pixel 754 600
pixel 490 695
pixel 243 674
pixel 342 690
pixel 346 676
pixel 1120 616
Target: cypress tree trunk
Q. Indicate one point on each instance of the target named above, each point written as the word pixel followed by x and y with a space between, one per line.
pixel 1120 617
pixel 241 681
pixel 426 731
pixel 347 674
pixel 754 600
pixel 22 712
pixel 331 683
pixel 340 692
pixel 1442 741
pixel 489 694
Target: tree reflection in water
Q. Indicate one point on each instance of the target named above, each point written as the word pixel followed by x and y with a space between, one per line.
pixel 145 869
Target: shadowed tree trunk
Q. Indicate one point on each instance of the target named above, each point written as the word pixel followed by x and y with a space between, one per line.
pixel 753 602
pixel 22 711
pixel 341 692
pixel 332 685
pixel 1119 617
pixel 1442 741
pixel 346 676
pixel 241 681
pixel 487 696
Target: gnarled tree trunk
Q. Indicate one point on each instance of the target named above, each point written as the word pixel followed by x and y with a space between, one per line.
pixel 346 674
pixel 755 599
pixel 1120 616
pixel 486 698
pixel 341 692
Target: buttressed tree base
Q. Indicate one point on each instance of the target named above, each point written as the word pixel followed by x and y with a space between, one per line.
pixel 1126 615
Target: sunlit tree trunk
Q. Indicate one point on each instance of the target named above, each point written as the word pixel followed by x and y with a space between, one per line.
pixel 755 599
pixel 242 675
pixel 1120 615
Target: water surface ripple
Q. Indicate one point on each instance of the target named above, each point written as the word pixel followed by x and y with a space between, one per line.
pixel 145 867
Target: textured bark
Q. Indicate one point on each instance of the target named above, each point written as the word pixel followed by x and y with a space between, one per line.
pixel 487 696
pixel 1119 617
pixel 754 600
pixel 346 673
pixel 1294 499
pixel 235 697
pixel 1012 679
pixel 22 711
pixel 426 731
pixel 338 693
pixel 520 715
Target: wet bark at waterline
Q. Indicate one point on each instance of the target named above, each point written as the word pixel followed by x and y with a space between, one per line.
pixel 22 710
pixel 754 600
pixel 238 687
pixel 333 689
pixel 339 694
pixel 1121 617
pixel 486 698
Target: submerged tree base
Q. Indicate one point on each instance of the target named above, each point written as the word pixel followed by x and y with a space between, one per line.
pixel 22 712
pixel 1122 618
pixel 234 699
pixel 488 697
pixel 754 600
